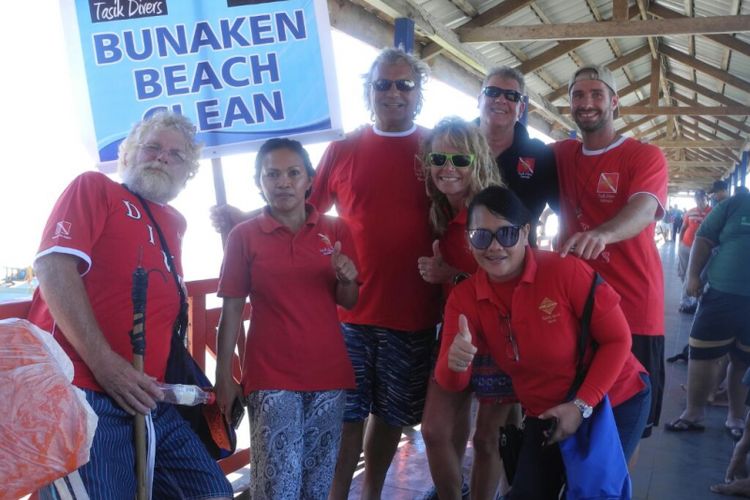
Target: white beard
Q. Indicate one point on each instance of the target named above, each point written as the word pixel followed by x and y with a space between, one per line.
pixel 152 181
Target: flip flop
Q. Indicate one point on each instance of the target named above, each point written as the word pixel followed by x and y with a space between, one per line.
pixel 683 425
pixel 734 431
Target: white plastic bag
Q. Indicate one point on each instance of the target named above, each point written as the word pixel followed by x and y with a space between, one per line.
pixel 46 426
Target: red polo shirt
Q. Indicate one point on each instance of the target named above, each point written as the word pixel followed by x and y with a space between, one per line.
pixel 546 306
pixel 295 341
pixel 691 222
pixel 594 187
pixel 373 180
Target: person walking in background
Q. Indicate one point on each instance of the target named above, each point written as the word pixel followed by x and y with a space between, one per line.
pixel 613 190
pixel 296 265
pixel 722 242
pixel 690 224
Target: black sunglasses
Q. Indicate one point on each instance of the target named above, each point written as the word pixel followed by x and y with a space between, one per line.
pixel 493 92
pixel 459 160
pixel 507 236
pixel 384 84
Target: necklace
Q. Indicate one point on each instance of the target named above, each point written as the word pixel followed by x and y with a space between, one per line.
pixel 580 190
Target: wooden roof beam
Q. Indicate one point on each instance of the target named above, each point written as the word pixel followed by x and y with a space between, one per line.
pixel 720 98
pixel 491 15
pixel 631 56
pixel 700 164
pixel 717 126
pixel 725 119
pixel 727 41
pixel 637 123
pixel 712 71
pixel 550 55
pixel 676 110
pixel 700 144
pixel 606 29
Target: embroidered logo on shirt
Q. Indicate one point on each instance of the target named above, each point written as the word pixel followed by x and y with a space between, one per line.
pixel 608 182
pixel 548 305
pixel 525 167
pixel 62 230
pixel 326 247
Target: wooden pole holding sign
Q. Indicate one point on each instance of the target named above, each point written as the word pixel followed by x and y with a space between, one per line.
pixel 220 191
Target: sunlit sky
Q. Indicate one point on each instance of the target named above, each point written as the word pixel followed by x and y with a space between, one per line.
pixel 43 147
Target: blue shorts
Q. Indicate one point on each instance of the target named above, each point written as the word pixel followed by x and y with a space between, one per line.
pixel 721 326
pixel 631 417
pixel 183 467
pixel 391 368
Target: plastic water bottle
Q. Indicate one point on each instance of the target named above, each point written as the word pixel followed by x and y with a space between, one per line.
pixel 187 395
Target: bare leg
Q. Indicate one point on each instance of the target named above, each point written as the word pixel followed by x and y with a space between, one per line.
pixel 351 447
pixel 487 469
pixel 736 390
pixel 445 430
pixel 381 441
pixel 700 382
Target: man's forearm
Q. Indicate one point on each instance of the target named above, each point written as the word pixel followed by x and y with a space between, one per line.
pixel 634 217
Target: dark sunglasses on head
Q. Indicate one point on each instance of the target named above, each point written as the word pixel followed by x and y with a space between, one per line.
pixel 507 236
pixel 493 92
pixel 459 160
pixel 384 84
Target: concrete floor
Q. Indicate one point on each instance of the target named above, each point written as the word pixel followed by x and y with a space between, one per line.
pixel 670 466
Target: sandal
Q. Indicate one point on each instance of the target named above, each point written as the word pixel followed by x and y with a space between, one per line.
pixel 735 429
pixel 683 425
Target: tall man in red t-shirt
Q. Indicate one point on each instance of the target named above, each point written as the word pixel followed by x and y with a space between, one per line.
pixel 97 234
pixel 370 177
pixel 613 190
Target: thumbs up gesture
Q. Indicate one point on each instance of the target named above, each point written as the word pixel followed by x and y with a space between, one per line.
pixel 346 271
pixel 462 351
pixel 434 269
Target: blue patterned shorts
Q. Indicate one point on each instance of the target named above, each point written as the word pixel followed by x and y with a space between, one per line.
pixel 490 384
pixel 392 368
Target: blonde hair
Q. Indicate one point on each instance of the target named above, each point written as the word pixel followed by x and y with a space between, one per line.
pixel 483 171
pixel 158 121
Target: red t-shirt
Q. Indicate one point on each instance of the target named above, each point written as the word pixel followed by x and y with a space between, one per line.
pixel 594 188
pixel 373 180
pixel 104 225
pixel 547 304
pixel 454 247
pixel 691 222
pixel 295 341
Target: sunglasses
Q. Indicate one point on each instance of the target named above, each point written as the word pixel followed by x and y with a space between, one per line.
pixel 507 236
pixel 383 84
pixel 458 160
pixel 493 92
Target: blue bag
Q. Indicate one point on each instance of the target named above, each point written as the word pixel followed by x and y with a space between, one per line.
pixel 595 466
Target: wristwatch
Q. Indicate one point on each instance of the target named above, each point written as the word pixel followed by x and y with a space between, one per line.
pixel 585 409
pixel 459 277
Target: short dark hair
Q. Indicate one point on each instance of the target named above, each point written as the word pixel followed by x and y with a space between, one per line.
pixel 501 202
pixel 282 143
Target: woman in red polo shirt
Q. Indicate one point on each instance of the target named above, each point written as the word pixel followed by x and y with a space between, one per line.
pixel 525 306
pixel 457 164
pixel 292 262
